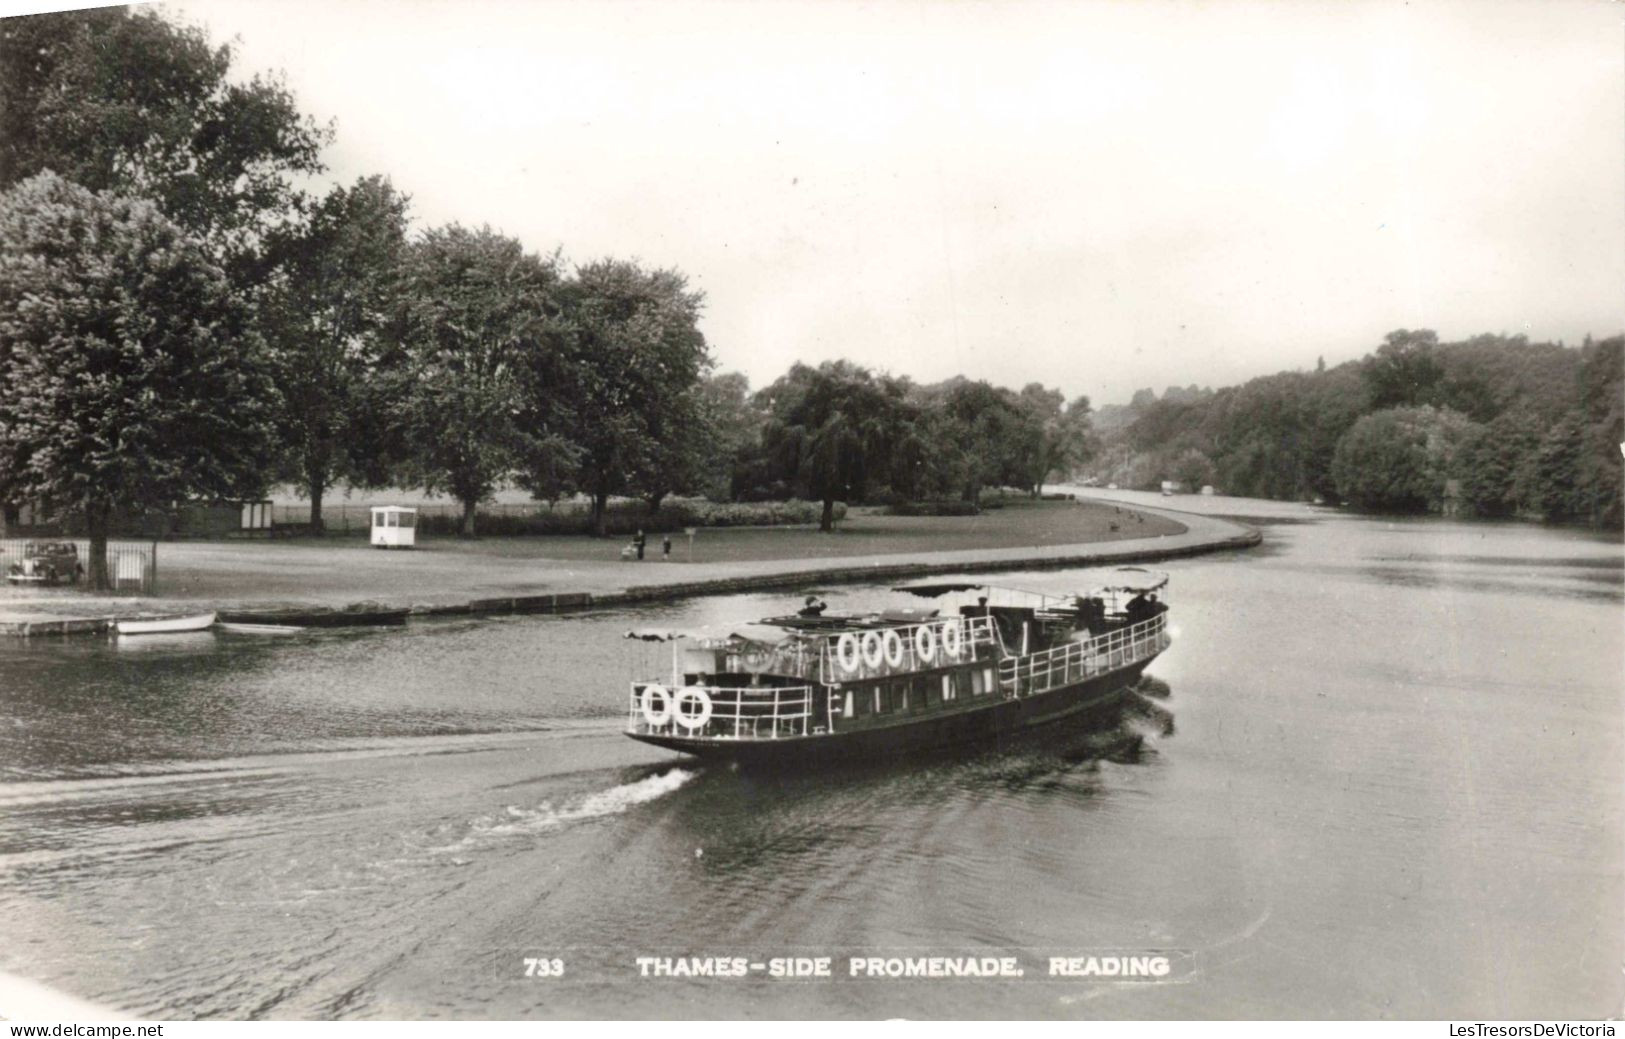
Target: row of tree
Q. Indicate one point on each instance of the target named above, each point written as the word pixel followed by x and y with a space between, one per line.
pixel 1490 426
pixel 840 432
pixel 179 320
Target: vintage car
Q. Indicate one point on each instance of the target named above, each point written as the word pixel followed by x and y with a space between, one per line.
pixel 47 562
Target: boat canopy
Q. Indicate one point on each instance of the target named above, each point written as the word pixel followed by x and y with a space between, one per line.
pixel 1137 579
pixel 712 635
pixel 1123 578
pixel 931 591
pixel 773 630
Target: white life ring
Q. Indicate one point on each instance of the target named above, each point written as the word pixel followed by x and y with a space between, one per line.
pixel 894 647
pixel 925 643
pixel 874 648
pixel 657 717
pixel 952 642
pixel 698 720
pixel 846 652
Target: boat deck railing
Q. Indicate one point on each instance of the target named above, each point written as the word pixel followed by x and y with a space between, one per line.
pixel 720 712
pixel 906 648
pixel 1075 661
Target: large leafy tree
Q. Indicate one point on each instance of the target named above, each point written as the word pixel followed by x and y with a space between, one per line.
pixel 1404 371
pixel 830 431
pixel 735 424
pixel 1492 460
pixel 478 379
pixel 131 101
pixel 130 376
pixel 1399 459
pixel 1064 437
pixel 994 438
pixel 635 355
pixel 325 317
pixel 684 445
pixel 1602 404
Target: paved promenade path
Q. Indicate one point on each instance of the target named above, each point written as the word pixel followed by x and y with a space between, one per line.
pixel 504 575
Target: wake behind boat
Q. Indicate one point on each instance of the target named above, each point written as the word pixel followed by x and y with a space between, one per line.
pixel 164 625
pixel 988 662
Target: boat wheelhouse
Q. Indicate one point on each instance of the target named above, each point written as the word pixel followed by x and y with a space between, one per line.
pixel 986 661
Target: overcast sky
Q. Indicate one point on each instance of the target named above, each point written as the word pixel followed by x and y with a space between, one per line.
pixel 1099 196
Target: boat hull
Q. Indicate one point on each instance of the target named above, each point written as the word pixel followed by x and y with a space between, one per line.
pixel 164 625
pixel 261 629
pixel 319 618
pixel 989 724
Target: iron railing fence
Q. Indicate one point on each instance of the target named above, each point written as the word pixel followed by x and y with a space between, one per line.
pixel 132 566
pixel 719 712
pixel 1062 665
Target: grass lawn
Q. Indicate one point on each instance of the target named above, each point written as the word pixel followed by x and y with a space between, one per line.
pixel 1021 523
pixel 339 570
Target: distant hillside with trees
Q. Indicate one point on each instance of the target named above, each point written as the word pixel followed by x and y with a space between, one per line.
pixel 1493 426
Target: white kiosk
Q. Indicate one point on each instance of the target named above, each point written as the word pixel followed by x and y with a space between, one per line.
pixel 394 526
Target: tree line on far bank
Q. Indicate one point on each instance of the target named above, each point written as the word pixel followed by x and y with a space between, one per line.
pixel 179 320
pixel 1493 426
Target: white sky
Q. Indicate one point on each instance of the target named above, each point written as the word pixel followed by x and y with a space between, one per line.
pixel 1100 196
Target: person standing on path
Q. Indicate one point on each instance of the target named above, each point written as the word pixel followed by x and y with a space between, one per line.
pixel 665 549
pixel 638 542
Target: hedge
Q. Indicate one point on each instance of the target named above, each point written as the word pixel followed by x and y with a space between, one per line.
pixel 627 517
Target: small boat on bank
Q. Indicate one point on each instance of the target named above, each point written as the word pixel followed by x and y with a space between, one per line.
pixel 346 618
pixel 988 662
pixel 260 629
pixel 166 625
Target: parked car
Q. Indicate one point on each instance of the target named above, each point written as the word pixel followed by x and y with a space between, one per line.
pixel 48 562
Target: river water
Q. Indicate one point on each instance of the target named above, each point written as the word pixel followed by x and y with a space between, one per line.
pixel 1378 774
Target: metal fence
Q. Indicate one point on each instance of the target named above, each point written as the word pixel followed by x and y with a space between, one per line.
pixel 716 712
pixel 132 566
pixel 1052 668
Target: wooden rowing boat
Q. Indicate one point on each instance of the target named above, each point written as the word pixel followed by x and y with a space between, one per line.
pixel 261 629
pixel 167 625
pixel 347 618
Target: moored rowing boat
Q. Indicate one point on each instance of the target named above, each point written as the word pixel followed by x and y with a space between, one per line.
pixel 320 618
pixel 163 625
pixel 260 629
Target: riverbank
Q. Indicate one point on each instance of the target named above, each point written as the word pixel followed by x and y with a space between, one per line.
pixel 541 575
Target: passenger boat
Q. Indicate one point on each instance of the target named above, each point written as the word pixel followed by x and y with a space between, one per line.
pixel 163 625
pixel 987 662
